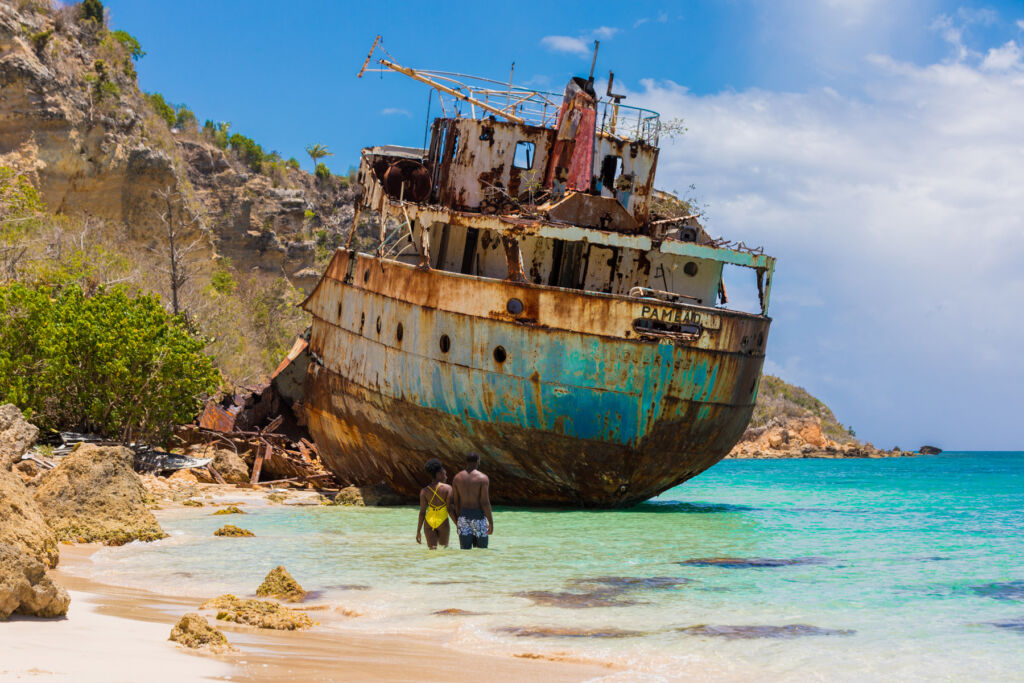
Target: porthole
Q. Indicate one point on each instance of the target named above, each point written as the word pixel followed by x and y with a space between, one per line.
pixel 366 274
pixel 499 354
pixel 446 343
pixel 378 324
pixel 400 332
pixel 690 268
pixel 362 321
pixel 514 306
pixel 339 310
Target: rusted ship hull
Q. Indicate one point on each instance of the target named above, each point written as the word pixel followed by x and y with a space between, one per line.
pixel 405 367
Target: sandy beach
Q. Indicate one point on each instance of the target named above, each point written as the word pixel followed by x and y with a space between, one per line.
pixel 114 633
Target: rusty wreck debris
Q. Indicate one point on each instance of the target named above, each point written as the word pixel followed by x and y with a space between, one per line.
pixel 528 302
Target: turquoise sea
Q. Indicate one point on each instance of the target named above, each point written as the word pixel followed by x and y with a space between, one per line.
pixel 898 569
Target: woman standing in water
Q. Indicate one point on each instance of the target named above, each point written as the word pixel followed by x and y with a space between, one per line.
pixel 434 499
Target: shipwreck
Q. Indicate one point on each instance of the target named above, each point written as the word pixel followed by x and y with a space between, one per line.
pixel 529 301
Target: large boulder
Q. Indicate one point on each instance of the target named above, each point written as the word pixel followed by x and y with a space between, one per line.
pixel 16 435
pixel 228 464
pixel 94 495
pixel 25 588
pixel 21 521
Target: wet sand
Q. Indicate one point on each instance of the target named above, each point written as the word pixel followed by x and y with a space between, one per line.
pixel 115 633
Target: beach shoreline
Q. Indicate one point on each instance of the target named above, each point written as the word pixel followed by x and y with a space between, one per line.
pixel 117 633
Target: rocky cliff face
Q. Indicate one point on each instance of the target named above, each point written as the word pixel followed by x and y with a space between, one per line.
pixel 790 423
pixel 72 117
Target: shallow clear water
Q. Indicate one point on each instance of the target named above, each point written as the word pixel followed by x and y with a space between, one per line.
pixel 900 568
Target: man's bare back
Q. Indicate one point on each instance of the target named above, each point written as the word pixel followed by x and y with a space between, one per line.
pixel 471 505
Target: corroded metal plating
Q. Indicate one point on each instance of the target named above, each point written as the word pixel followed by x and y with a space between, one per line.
pixel 577 413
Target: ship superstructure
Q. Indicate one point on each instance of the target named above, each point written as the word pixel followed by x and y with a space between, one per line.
pixel 529 302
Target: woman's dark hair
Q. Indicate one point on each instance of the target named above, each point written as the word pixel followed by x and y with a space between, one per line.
pixel 433 466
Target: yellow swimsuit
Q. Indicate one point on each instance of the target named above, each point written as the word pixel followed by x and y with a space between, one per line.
pixel 436 515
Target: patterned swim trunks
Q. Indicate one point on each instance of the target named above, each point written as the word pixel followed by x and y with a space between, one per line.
pixel 472 526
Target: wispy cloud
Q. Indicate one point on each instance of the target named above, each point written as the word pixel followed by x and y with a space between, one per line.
pixel 640 22
pixel 394 111
pixel 582 44
pixel 897 204
pixel 1020 24
pixel 577 46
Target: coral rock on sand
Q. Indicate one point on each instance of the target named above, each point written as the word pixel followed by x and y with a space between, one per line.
pixel 193 631
pixel 230 510
pixel 280 584
pixel 21 521
pixel 228 464
pixel 377 495
pixel 232 530
pixel 259 613
pixel 16 435
pixel 25 588
pixel 193 503
pixel 95 495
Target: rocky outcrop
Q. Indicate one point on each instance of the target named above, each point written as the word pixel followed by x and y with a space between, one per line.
pixel 22 525
pixel 258 613
pixel 73 118
pixel 25 588
pixel 194 632
pixel 94 495
pixel 231 530
pixel 280 584
pixel 801 437
pixel 929 450
pixel 16 435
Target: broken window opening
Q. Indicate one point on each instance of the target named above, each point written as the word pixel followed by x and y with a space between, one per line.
pixel 524 155
pixel 611 168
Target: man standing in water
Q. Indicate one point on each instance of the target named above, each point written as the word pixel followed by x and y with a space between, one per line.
pixel 471 505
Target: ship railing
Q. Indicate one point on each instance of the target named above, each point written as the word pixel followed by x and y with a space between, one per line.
pixel 535 107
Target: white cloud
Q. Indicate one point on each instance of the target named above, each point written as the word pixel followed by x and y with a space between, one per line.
pixel 1020 24
pixel 582 45
pixel 394 111
pixel 640 22
pixel 1003 58
pixel 577 46
pixel 899 208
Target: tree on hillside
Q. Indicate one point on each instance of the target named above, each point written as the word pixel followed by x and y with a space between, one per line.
pixel 317 152
pixel 176 222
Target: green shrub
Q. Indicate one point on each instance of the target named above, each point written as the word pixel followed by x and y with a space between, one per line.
pixel 185 119
pixel 247 149
pixel 322 172
pixel 223 282
pixel 109 363
pixel 105 87
pixel 162 109
pixel 130 43
pixel 92 10
pixel 292 163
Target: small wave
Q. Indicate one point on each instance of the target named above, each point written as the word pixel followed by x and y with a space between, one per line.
pixel 679 506
pixel 1012 591
pixel 571 600
pixel 564 632
pixel 1011 624
pixel 750 632
pixel 751 562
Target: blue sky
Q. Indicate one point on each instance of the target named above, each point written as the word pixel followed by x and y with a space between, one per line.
pixel 875 147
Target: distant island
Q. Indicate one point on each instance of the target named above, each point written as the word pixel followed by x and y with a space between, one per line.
pixel 789 422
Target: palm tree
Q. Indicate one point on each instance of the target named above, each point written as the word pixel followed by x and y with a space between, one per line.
pixel 317 152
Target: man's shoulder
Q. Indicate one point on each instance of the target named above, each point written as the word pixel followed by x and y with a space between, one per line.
pixel 460 476
pixel 480 476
